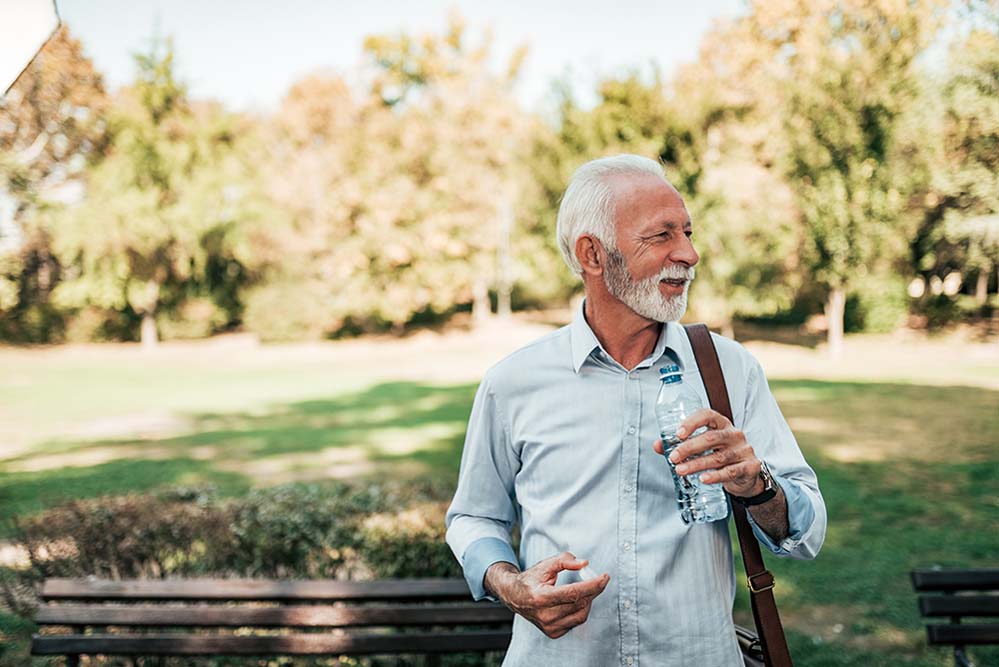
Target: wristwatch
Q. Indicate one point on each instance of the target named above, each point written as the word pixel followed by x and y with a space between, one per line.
pixel 769 489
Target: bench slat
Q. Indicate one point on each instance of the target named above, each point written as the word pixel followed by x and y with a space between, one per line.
pixel 288 616
pixel 255 589
pixel 979 633
pixel 959 605
pixel 301 644
pixel 982 579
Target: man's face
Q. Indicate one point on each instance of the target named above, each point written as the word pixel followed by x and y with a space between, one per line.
pixel 651 269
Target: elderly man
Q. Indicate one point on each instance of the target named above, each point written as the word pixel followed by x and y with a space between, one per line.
pixel 563 441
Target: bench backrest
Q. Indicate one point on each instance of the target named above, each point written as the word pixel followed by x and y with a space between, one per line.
pixel 959 594
pixel 334 606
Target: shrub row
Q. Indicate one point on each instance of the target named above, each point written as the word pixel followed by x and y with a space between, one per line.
pixel 297 531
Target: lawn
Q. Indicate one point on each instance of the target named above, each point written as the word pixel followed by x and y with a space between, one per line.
pixel 902 434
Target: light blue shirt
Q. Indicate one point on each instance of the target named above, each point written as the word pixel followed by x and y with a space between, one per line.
pixel 560 442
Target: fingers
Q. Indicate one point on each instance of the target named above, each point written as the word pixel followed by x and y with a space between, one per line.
pixel 558 609
pixel 568 622
pixel 550 567
pixel 714 439
pixel 721 456
pixel 741 473
pixel 576 592
pixel 703 417
pixel 657 447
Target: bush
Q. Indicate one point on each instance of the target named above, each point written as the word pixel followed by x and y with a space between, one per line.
pixel 297 531
pixel 288 312
pixel 878 305
pixel 410 542
pixel 98 325
pixel 123 537
pixel 937 310
pixel 339 530
pixel 197 317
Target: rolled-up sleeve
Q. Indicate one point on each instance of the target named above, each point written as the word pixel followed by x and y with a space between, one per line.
pixel 771 437
pixel 483 510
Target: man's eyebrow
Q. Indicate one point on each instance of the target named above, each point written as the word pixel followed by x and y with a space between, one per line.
pixel 659 227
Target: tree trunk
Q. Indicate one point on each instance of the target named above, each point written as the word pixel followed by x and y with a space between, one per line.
pixel 505 283
pixel 503 309
pixel 835 306
pixel 481 309
pixel 149 336
pixel 727 329
pixel 982 286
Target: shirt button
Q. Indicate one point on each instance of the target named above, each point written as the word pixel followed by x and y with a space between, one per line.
pixel 627 489
pixel 627 604
pixel 631 430
pixel 630 660
pixel 627 546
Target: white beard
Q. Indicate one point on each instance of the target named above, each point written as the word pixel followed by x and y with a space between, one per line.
pixel 643 296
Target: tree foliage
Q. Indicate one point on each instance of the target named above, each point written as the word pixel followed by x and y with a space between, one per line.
pixel 820 157
pixel 394 191
pixel 152 231
pixel 52 125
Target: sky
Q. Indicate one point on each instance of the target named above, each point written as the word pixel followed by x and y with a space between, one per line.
pixel 247 53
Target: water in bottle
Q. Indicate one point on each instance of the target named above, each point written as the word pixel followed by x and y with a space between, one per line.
pixel 698 502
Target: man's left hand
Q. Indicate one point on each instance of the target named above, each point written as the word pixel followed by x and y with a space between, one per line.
pixel 732 461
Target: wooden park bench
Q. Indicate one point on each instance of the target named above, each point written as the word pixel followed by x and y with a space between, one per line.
pixel 302 617
pixel 957 595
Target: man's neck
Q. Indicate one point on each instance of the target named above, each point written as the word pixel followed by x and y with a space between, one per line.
pixel 625 335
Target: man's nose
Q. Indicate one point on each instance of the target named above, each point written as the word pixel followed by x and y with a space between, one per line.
pixel 685 253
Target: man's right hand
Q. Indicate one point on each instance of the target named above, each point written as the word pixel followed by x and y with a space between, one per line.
pixel 533 594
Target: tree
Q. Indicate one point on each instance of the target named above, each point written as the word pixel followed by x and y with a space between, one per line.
pixel 395 189
pixel 51 128
pixel 969 177
pixel 952 157
pixel 842 72
pixel 475 136
pixel 695 129
pixel 743 210
pixel 158 205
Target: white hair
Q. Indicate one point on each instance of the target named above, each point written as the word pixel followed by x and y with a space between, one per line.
pixel 588 203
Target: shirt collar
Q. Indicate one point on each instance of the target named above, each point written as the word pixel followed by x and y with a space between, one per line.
pixel 584 341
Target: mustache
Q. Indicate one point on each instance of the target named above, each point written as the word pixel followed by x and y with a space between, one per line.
pixel 676 272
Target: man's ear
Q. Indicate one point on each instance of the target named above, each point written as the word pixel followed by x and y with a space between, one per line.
pixel 590 254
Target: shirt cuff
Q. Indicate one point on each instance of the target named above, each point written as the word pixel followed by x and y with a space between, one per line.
pixel 800 515
pixel 478 557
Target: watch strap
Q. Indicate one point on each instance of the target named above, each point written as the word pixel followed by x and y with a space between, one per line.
pixel 758 499
pixel 767 494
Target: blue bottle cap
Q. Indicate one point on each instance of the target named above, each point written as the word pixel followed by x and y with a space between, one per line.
pixel 670 374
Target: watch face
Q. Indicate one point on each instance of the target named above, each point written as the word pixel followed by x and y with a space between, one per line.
pixel 768 478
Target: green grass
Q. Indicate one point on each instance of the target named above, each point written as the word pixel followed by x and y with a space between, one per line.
pixel 922 491
pixel 910 472
pixel 400 429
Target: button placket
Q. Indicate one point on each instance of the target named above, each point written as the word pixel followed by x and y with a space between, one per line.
pixel 628 527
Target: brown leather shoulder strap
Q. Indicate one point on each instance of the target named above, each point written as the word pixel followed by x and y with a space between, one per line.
pixel 759 579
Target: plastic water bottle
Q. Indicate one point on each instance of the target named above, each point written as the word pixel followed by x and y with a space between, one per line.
pixel 698 502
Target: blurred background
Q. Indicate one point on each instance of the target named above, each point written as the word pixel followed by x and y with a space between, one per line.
pixel 254 260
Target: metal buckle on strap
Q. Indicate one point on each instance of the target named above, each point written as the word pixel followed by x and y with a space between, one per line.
pixel 767 582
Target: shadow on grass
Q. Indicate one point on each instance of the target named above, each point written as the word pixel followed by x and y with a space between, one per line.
pixel 400 429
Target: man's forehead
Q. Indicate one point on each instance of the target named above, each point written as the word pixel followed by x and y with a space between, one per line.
pixel 649 201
